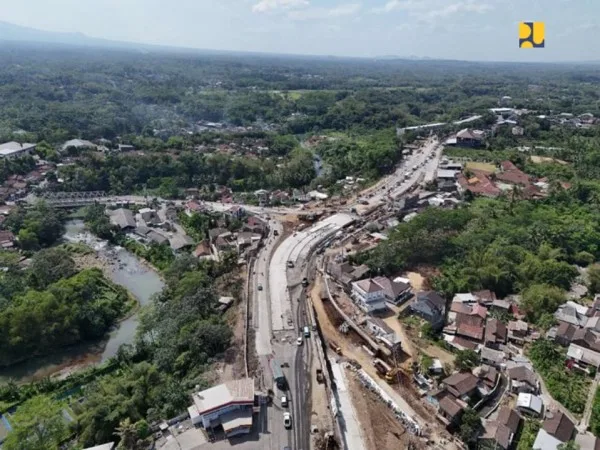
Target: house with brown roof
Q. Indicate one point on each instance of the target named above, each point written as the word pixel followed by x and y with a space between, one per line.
pixel 500 433
pixel 202 250
pixel 470 326
pixel 511 174
pixel 345 273
pixel 478 184
pixel 556 429
pixel 394 292
pixel 450 409
pixel 368 295
pixel 485 297
pixel 7 239
pixel 462 385
pixel 495 333
pixel 517 331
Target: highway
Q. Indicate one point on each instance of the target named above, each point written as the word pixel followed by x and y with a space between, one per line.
pixel 280 307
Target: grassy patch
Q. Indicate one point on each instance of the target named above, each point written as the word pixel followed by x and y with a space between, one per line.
pixel 595 417
pixel 486 167
pixel 566 386
pixel 528 434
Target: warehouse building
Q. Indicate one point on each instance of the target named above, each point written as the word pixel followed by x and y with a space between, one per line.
pixel 229 405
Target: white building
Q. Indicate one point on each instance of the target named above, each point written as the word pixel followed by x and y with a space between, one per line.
pixel 530 404
pixel 368 295
pixel 229 405
pixel 379 328
pixel 14 149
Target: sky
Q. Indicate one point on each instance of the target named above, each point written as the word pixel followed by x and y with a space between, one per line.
pixel 481 30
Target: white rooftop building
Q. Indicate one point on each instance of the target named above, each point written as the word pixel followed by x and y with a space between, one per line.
pixel 15 149
pixel 229 405
pixel 531 404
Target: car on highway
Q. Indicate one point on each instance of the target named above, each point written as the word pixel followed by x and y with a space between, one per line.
pixel 299 341
pixel 287 420
pixel 260 287
pixel 290 264
pixel 284 401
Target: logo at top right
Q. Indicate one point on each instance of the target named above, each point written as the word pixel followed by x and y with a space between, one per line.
pixel 531 35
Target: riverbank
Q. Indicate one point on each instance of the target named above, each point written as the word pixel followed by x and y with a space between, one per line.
pixel 122 268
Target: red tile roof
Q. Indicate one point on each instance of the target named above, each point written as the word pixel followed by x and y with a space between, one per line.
pixel 470 326
pixel 512 174
pixel 479 184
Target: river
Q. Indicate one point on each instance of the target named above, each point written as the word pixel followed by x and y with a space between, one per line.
pixel 126 270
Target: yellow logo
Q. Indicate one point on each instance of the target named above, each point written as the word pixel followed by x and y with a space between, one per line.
pixel 531 35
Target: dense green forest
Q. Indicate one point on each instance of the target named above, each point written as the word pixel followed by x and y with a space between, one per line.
pixel 51 305
pixel 506 245
pixel 180 334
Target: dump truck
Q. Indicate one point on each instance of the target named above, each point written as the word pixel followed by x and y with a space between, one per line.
pixel 335 347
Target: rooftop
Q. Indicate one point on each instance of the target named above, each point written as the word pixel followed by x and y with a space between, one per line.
pixel 559 426
pixel 530 401
pixel 462 382
pixel 236 391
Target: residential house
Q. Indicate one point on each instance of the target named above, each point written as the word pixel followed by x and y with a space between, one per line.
pixel 245 239
pixel 368 295
pixel 511 174
pixel 446 179
pixel 517 331
pixel 157 237
pixel 79 144
pixel 593 324
pixel 225 303
pixel 492 357
pixel 180 242
pixel 450 409
pixel 487 375
pixel 395 292
pixel 122 218
pixel 345 273
pixel 430 306
pixel 582 357
pixel 594 310
pixel 587 441
pixel 193 206
pixel 530 405
pixel 470 326
pixel 522 379
pixel 572 313
pixel 237 212
pixel 150 217
pixel 556 430
pixel 500 433
pixel 495 333
pixel 464 298
pixel 379 328
pixel 202 250
pixel 125 148
pixel 462 385
pixel 256 225
pixel 469 138
pixel 478 184
pixel 500 305
pixel 14 149
pixel 7 239
pixel 215 233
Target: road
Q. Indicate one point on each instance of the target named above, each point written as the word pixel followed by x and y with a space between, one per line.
pixel 280 307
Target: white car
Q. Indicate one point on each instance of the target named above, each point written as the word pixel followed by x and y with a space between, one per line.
pixel 287 420
pixel 284 401
pixel 299 341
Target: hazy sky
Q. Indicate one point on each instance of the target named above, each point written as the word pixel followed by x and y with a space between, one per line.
pixel 456 29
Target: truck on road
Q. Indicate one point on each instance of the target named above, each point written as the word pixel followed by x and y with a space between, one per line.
pixel 278 376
